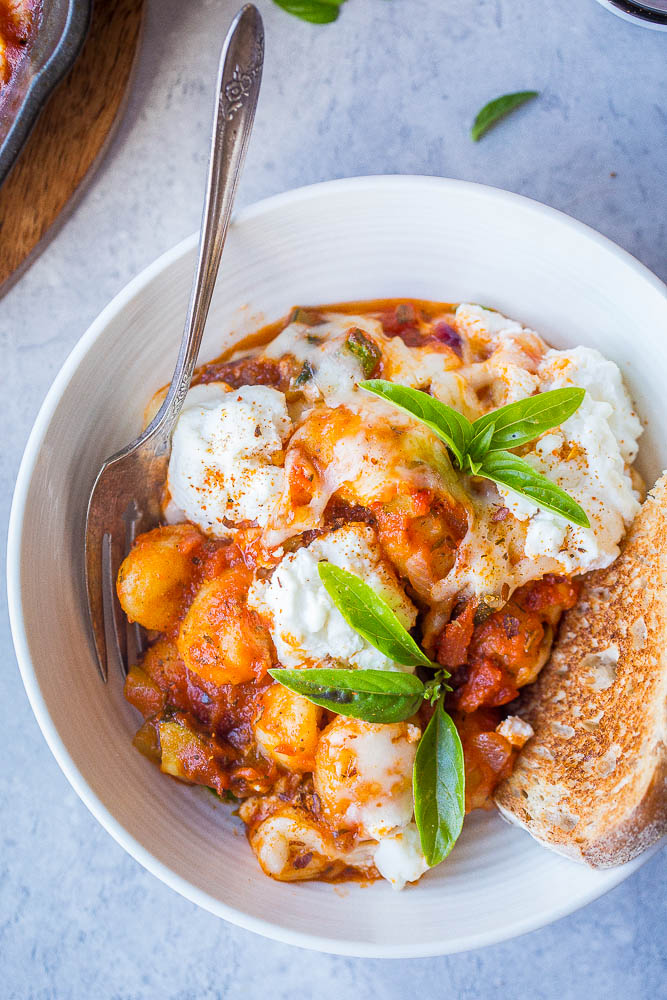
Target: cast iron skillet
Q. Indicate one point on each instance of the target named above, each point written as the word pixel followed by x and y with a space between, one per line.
pixel 59 37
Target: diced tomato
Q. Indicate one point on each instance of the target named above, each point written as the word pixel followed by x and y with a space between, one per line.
pixel 455 640
pixel 486 683
pixel 550 596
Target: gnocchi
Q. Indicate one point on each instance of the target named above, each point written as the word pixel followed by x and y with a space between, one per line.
pixel 221 639
pixel 287 728
pixel 154 577
pixel 363 774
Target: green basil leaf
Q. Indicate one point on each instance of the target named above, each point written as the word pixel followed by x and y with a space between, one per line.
pixel 511 471
pixel 365 350
pixel 497 109
pixel 450 425
pixel 523 421
pixel 439 787
pixel 314 11
pixel 369 615
pixel 480 443
pixel 371 695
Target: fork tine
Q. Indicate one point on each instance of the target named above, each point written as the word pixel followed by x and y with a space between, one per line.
pixel 114 619
pixel 135 635
pixel 93 560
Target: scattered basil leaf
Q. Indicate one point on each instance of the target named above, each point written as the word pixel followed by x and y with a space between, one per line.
pixel 371 695
pixel 365 350
pixel 450 425
pixel 515 473
pixel 439 787
pixel 369 615
pixel 497 109
pixel 314 11
pixel 523 421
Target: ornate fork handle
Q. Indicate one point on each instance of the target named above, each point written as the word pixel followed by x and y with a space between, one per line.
pixel 239 78
pixel 125 498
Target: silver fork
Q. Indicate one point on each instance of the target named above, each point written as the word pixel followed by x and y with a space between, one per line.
pixel 126 495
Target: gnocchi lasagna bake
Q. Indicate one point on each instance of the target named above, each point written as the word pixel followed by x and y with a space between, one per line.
pixel 375 515
pixel 18 23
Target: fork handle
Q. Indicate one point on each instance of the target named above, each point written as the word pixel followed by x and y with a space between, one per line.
pixel 239 78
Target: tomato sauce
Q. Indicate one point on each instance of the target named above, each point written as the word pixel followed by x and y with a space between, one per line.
pixel 494 654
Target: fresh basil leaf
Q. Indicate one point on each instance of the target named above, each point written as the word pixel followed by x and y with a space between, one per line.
pixel 439 787
pixel 497 109
pixel 436 686
pixel 369 615
pixel 450 425
pixel 365 350
pixel 480 443
pixel 314 11
pixel 371 695
pixel 523 421
pixel 515 473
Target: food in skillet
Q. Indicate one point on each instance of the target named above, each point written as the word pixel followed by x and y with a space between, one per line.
pixel 18 23
pixel 376 515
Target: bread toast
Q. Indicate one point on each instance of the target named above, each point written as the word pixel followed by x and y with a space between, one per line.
pixel 592 782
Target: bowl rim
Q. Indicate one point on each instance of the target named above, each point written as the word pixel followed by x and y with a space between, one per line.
pixel 132 289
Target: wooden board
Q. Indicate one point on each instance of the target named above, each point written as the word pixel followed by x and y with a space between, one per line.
pixel 69 138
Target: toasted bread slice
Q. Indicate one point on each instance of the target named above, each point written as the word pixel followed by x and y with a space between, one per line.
pixel 592 782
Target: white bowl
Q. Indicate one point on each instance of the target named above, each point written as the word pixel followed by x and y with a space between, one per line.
pixel 350 239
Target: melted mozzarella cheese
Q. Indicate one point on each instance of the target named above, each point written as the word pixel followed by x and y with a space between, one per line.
pixel 399 858
pixel 367 455
pixel 305 624
pixel 332 371
pixel 363 775
pixel 288 836
pixel 222 467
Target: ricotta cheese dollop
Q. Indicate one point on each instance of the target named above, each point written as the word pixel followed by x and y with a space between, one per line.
pixel 305 624
pixel 225 464
pixel 589 457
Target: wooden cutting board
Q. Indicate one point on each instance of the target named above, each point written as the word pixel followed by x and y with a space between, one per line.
pixel 70 137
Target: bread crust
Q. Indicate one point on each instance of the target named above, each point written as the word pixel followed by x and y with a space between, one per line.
pixel 592 782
